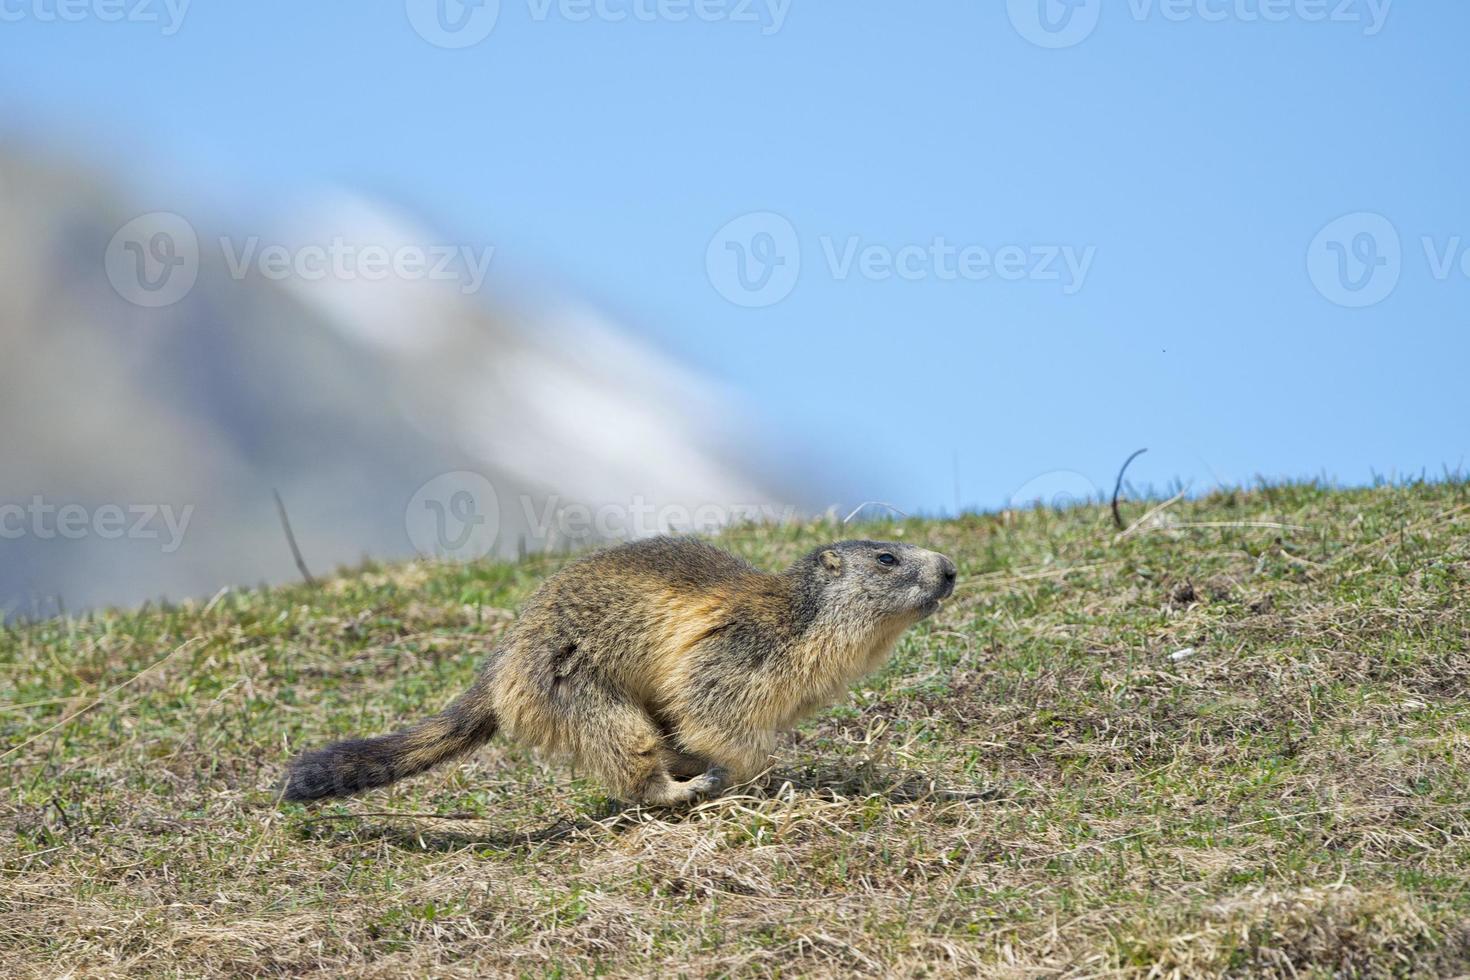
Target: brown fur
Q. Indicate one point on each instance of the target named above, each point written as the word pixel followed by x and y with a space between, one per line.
pixel 665 667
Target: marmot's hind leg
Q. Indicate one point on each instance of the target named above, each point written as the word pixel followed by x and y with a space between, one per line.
pixel 625 750
pixel 684 765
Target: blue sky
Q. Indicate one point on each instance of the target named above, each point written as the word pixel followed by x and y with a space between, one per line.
pixel 1190 157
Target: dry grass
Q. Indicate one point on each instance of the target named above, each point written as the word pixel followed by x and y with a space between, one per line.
pixel 1040 784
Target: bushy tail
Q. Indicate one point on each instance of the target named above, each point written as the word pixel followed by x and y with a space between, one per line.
pixel 362 763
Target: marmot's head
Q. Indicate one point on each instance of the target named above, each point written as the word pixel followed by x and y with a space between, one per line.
pixel 880 579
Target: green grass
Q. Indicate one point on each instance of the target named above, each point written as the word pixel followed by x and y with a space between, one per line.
pixel 1035 785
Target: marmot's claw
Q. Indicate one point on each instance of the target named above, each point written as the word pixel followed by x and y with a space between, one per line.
pixel 712 782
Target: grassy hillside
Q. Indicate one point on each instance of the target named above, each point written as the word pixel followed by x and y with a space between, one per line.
pixel 1234 740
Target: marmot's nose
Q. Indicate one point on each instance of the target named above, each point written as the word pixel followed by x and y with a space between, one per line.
pixel 947 569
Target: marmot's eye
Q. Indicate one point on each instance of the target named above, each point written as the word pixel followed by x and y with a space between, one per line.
pixel 887 559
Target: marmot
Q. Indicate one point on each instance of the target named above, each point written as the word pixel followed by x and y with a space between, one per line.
pixel 666 667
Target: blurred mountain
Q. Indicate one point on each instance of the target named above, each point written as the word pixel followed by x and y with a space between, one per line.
pixel 395 414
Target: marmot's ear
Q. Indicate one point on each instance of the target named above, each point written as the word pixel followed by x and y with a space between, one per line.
pixel 831 561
